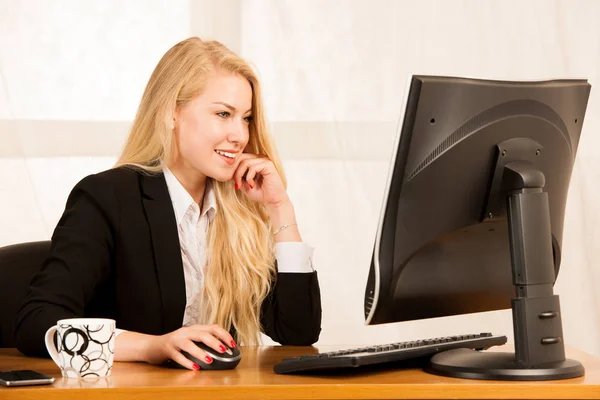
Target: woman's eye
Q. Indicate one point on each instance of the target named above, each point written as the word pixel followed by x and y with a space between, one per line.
pixel 223 114
pixel 248 118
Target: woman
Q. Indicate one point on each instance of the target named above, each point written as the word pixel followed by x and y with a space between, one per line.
pixel 192 236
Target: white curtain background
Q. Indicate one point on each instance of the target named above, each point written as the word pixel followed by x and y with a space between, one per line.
pixel 334 72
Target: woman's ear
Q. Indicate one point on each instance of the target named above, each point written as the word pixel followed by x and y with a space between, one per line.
pixel 175 116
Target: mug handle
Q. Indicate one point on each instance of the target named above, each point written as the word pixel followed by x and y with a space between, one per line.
pixel 49 339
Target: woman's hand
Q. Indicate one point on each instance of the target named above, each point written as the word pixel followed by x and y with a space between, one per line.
pixel 169 346
pixel 259 180
pixel 257 177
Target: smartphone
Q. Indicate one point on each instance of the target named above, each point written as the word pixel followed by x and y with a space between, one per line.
pixel 24 378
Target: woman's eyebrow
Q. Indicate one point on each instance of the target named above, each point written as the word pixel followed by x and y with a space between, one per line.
pixel 229 106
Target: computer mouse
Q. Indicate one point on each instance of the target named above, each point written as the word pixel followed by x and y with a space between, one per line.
pixel 227 360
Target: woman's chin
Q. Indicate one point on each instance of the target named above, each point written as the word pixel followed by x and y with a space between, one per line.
pixel 222 177
pixel 221 174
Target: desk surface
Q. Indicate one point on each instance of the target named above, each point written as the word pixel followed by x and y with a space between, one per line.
pixel 254 379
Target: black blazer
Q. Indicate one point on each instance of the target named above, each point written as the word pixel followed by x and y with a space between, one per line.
pixel 115 253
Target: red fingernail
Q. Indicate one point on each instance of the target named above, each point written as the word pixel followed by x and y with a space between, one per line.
pixel 208 359
pixel 236 186
pixel 251 187
pixel 222 349
pixel 233 344
pixel 196 367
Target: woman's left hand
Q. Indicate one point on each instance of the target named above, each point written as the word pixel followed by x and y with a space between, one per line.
pixel 261 182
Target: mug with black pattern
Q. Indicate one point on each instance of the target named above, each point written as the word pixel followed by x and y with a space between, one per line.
pixel 85 347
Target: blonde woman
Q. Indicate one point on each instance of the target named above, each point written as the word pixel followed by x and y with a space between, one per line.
pixel 192 236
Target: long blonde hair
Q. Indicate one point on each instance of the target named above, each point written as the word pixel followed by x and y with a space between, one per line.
pixel 240 257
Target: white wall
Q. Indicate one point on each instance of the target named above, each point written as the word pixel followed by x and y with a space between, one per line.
pixel 72 73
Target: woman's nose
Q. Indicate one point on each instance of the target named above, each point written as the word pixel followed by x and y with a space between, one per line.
pixel 238 132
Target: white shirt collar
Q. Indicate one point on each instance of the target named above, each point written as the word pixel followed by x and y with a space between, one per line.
pixel 182 201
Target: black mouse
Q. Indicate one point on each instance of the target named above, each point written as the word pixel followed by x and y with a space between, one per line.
pixel 228 360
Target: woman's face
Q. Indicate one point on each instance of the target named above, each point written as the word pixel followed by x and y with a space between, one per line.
pixel 212 130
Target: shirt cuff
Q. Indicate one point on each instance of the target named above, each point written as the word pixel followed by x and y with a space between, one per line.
pixel 294 257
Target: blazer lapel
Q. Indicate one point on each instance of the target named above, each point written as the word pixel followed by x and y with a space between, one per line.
pixel 166 247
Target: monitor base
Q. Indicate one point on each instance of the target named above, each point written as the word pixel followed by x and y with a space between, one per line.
pixel 473 364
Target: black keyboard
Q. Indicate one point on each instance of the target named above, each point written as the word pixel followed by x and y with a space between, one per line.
pixel 353 358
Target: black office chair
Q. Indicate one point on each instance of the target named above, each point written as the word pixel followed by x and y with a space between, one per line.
pixel 18 264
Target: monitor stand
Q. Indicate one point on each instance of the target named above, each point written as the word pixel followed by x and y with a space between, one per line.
pixel 539 349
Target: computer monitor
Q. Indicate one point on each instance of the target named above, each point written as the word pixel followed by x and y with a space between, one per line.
pixel 472 218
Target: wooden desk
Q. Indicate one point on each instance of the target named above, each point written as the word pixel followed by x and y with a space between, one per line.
pixel 254 379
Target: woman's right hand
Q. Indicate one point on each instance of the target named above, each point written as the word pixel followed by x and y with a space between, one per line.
pixel 160 349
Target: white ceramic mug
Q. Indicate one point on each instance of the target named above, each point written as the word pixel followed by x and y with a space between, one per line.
pixel 86 346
